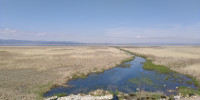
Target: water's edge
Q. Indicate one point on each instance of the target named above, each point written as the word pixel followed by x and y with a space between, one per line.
pixel 129 74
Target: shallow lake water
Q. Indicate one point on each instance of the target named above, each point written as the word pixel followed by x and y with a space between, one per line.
pixel 127 78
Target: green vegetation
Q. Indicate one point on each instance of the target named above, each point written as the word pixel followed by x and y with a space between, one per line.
pixel 40 90
pixel 141 81
pixel 76 76
pixel 156 96
pixel 27 76
pixel 167 77
pixel 175 76
pixel 149 96
pixel 189 82
pixel 148 65
pixel 188 91
pixel 61 94
pixel 127 60
pixel 122 97
pixel 103 69
pixel 133 53
pixel 126 51
pixel 196 82
pixel 116 92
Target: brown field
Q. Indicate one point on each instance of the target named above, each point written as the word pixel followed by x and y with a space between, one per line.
pixel 27 72
pixel 184 59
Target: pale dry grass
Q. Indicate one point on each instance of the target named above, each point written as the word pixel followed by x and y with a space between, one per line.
pixel 184 59
pixel 26 72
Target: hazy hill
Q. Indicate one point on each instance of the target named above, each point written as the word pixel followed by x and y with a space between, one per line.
pixel 37 43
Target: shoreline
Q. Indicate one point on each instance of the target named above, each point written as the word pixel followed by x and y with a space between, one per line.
pixel 86 74
pixel 164 96
pixel 182 90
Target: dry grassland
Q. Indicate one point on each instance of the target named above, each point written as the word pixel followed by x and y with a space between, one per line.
pixel 184 59
pixel 27 72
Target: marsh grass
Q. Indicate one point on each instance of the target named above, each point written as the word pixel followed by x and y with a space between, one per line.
pixel 184 59
pixel 126 51
pixel 31 71
pixel 79 75
pixel 141 81
pixel 148 65
pixel 40 90
pixel 195 82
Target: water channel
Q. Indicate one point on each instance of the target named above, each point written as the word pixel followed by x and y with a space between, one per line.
pixel 127 78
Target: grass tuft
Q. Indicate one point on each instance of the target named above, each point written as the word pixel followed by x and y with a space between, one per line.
pixel 61 94
pixel 76 76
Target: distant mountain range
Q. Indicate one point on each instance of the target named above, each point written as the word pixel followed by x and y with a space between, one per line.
pixel 4 42
pixel 37 43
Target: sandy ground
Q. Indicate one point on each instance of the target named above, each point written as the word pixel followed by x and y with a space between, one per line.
pixel 184 59
pixel 27 72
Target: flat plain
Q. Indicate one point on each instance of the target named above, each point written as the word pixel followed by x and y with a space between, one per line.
pixel 27 72
pixel 183 59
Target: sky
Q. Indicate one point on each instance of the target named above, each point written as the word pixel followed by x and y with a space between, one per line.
pixel 101 21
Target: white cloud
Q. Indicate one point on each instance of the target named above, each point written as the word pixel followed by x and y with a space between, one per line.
pixel 8 33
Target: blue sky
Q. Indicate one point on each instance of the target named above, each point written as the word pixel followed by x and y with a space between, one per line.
pixel 101 21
